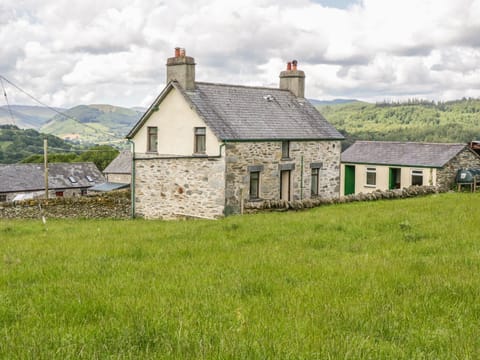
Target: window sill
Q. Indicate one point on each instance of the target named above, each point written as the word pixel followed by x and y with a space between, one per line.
pixel 370 186
pixel 199 155
pixel 286 159
pixel 255 200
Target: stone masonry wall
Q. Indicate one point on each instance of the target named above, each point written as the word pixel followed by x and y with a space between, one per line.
pixel 464 160
pixel 169 188
pixel 242 156
pixel 115 205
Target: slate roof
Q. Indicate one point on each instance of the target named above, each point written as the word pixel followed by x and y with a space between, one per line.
pixel 30 177
pixel 122 164
pixel 236 112
pixel 401 153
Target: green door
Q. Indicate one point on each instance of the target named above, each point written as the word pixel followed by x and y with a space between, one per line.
pixel 394 178
pixel 349 179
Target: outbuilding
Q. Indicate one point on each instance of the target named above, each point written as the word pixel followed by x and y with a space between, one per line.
pixel 367 166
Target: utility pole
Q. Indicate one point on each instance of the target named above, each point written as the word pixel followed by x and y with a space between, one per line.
pixel 45 161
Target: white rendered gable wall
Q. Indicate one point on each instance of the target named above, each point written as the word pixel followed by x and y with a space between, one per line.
pixel 176 122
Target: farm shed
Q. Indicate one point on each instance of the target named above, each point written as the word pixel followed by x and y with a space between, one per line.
pixel 382 165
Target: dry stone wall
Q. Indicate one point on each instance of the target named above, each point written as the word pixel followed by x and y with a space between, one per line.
pixel 114 205
pixel 271 205
pixel 117 205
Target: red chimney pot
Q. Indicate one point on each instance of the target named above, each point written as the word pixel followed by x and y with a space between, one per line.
pixel 177 52
pixel 289 66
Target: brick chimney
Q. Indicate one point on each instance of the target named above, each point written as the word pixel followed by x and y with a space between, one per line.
pixel 293 80
pixel 181 68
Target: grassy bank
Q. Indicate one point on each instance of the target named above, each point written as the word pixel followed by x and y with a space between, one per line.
pixel 391 279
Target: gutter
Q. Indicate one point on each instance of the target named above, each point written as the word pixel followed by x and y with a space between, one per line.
pixel 132 190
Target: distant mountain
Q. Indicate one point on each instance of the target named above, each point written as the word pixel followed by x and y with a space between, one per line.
pixel 26 117
pixel 92 123
pixel 315 102
pixel 139 109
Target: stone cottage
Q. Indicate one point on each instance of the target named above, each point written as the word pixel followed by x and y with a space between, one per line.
pixel 27 181
pixel 384 165
pixel 205 150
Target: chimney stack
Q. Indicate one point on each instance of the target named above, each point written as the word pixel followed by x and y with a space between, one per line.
pixel 181 68
pixel 293 79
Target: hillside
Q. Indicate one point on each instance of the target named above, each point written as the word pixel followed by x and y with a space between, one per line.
pixel 17 144
pixel 92 123
pixel 455 121
pixel 26 117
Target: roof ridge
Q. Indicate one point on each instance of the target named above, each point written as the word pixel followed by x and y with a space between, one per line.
pixel 241 86
pixel 407 142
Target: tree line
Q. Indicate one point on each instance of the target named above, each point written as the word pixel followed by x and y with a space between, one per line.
pixel 27 146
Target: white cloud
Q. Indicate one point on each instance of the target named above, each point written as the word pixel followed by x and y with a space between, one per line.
pixel 114 51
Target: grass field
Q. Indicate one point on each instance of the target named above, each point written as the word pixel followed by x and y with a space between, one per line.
pixel 385 280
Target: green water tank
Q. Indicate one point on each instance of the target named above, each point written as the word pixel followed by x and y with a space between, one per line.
pixel 464 176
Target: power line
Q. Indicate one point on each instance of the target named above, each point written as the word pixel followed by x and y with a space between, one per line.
pixel 80 150
pixel 55 110
pixel 6 99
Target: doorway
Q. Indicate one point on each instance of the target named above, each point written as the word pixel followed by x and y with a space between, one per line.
pixel 394 178
pixel 349 180
pixel 285 185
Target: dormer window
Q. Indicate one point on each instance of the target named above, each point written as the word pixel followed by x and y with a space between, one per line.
pixel 200 143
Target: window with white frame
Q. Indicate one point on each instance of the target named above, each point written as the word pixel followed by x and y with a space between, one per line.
pixel 200 140
pixel 417 177
pixel 371 176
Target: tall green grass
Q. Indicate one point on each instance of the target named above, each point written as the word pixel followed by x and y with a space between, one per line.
pixel 385 280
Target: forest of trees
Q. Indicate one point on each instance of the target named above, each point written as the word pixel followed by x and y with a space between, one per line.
pixel 414 120
pixel 27 146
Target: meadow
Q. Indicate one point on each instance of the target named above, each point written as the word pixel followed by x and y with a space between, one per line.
pixel 395 279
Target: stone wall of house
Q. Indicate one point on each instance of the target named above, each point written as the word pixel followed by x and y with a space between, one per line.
pixel 266 157
pixel 114 205
pixel 168 188
pixel 466 159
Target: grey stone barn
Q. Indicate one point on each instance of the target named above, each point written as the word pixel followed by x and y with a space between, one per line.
pixel 384 165
pixel 205 149
pixel 24 181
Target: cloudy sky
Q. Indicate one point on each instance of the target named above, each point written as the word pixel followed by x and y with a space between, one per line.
pixel 67 52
